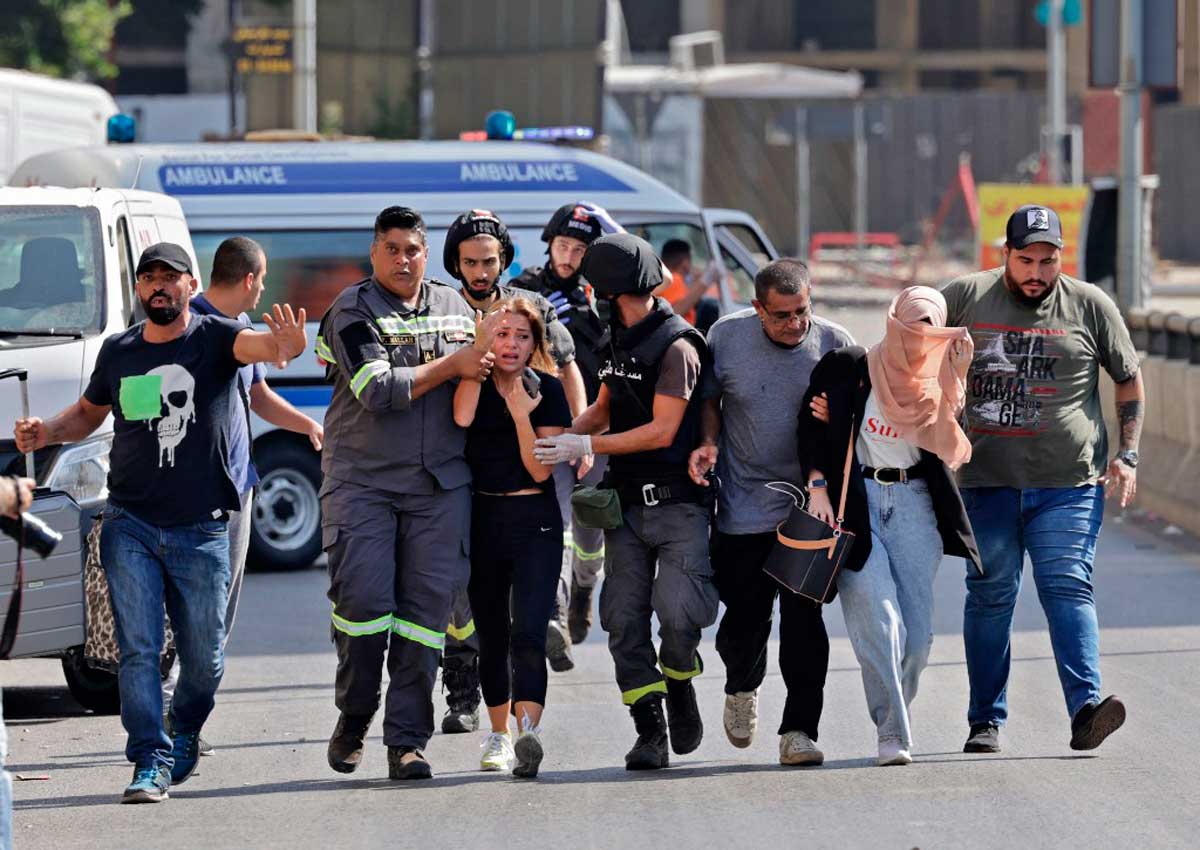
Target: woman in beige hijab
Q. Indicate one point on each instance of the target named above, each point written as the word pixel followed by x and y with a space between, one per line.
pixel 896 407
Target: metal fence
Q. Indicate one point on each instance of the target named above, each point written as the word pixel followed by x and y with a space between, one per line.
pixel 913 145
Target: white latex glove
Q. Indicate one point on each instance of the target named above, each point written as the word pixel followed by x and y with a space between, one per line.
pixel 564 447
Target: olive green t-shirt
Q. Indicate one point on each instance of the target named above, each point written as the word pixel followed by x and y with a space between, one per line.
pixel 1033 410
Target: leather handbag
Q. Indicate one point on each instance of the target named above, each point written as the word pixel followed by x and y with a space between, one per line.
pixel 808 552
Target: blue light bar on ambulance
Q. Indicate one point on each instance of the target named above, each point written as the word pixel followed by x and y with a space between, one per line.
pixel 536 134
pixel 554 134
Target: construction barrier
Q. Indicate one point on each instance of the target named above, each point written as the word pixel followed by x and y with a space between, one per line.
pixel 1169 467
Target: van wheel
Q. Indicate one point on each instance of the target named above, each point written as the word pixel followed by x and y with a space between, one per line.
pixel 93 688
pixel 286 531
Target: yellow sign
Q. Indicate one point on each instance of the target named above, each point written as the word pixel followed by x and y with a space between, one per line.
pixel 997 201
pixel 263 50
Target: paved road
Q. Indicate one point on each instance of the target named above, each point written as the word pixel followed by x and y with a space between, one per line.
pixel 269 786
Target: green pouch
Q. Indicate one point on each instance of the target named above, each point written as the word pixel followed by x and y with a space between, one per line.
pixel 597 507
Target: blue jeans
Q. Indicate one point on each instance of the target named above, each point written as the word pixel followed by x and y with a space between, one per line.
pixel 189 566
pixel 1058 528
pixel 888 604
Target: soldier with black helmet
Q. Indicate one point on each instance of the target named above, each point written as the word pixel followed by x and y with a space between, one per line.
pixel 646 418
pixel 568 233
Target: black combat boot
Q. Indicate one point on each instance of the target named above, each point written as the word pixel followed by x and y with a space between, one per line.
pixel 461 684
pixel 683 716
pixel 650 749
pixel 346 744
pixel 579 617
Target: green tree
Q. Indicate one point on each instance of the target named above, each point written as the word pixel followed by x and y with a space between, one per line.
pixel 61 38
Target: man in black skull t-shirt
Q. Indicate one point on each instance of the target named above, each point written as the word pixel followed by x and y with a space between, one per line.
pixel 169 382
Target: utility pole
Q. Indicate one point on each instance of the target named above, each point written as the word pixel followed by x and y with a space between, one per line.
pixel 425 24
pixel 1056 91
pixel 304 80
pixel 233 75
pixel 1129 210
pixel 803 184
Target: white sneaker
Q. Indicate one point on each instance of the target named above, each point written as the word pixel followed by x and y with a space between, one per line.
pixel 893 752
pixel 741 718
pixel 498 752
pixel 797 748
pixel 528 752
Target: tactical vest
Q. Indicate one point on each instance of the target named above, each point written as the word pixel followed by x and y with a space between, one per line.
pixel 631 374
pixel 583 321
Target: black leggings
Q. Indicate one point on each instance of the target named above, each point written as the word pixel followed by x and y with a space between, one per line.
pixel 516 554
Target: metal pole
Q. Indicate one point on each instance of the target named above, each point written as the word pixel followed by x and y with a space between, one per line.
pixel 803 184
pixel 860 179
pixel 304 81
pixel 1056 90
pixel 1129 199
pixel 425 9
pixel 23 379
pixel 232 70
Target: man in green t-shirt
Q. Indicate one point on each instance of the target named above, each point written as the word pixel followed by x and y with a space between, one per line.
pixel 1040 469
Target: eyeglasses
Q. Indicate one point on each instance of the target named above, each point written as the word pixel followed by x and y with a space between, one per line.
pixel 783 318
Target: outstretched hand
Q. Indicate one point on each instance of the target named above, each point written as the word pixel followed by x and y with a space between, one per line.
pixel 287 330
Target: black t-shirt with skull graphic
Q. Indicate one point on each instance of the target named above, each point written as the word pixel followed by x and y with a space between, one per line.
pixel 170 402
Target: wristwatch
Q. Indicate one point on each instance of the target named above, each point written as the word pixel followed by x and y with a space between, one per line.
pixel 821 483
pixel 1128 457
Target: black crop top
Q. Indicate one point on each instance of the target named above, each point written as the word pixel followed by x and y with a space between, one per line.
pixel 493 451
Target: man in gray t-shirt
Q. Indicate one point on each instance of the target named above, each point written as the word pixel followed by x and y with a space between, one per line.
pixel 762 359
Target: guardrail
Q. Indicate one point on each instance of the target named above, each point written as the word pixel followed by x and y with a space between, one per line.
pixel 1169 471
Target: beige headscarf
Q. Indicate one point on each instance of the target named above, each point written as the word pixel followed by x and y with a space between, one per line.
pixel 919 374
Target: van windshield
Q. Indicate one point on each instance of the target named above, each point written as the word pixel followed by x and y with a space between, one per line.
pixel 308 268
pixel 51 259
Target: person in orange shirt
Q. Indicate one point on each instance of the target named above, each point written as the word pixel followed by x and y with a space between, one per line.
pixel 686 289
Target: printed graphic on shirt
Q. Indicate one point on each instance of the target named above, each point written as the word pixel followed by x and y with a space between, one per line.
pixel 877 430
pixel 1012 378
pixel 165 399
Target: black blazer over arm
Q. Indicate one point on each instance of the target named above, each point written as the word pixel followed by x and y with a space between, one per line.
pixel 843 376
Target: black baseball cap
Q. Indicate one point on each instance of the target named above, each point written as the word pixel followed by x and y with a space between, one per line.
pixel 168 253
pixel 1033 223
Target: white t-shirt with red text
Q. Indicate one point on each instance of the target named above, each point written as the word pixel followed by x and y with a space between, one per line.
pixel 879 444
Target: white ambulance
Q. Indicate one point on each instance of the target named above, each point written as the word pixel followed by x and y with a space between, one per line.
pixel 312 207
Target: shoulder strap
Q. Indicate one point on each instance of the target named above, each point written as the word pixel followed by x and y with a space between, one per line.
pixel 841 512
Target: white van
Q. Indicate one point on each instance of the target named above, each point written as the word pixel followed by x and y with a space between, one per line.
pixel 67 260
pixel 40 114
pixel 313 205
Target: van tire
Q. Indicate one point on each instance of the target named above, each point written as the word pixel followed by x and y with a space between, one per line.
pixel 93 688
pixel 286 530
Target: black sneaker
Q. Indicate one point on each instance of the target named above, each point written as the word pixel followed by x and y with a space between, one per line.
pixel 1095 722
pixel 346 743
pixel 185 751
pixel 650 749
pixel 408 763
pixel 558 647
pixel 683 716
pixel 984 738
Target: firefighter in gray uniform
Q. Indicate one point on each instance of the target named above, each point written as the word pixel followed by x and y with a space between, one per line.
pixel 647 418
pixel 395 500
pixel 477 251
